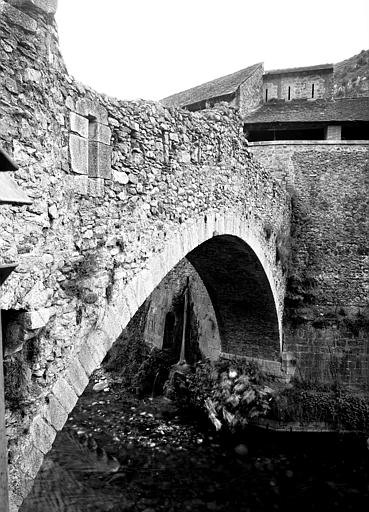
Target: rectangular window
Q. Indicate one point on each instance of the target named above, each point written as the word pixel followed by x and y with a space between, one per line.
pixel 312 90
pixel 289 93
pixel 266 95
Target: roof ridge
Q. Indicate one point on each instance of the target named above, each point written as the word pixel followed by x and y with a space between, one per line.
pixel 249 69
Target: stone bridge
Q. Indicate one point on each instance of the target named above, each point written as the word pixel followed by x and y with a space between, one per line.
pixel 121 192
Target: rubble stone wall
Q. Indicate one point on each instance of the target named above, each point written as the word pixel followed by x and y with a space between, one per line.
pixel 121 192
pixel 327 309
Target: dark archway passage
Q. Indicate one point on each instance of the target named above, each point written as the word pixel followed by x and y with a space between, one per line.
pixel 241 296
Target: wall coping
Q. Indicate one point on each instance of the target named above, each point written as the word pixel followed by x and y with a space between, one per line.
pixel 310 143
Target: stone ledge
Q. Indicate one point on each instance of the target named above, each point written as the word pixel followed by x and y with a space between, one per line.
pixel 309 143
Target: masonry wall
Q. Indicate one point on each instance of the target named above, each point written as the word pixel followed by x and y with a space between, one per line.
pixel 111 182
pixel 300 86
pixel 250 92
pixel 327 309
pixel 164 301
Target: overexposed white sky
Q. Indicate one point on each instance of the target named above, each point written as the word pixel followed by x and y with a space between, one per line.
pixel 153 48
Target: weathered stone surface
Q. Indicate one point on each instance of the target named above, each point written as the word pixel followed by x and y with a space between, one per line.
pixel 19 18
pixel 99 160
pixel 79 184
pixel 79 124
pixel 47 6
pixel 120 177
pixel 32 458
pixel 87 360
pixel 92 109
pixel 37 319
pixel 100 133
pixel 179 180
pixel 55 413
pixel 32 75
pixel 78 147
pixel 65 394
pixel 96 187
pixel 42 434
pixel 76 376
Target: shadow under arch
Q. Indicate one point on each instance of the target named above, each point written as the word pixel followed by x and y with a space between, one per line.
pixel 241 296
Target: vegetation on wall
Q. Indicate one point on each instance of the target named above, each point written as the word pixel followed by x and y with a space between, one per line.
pixel 306 403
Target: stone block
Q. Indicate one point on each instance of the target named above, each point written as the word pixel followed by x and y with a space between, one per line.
pixel 120 177
pixel 31 459
pixel 87 360
pixel 80 184
pixel 96 187
pixel 78 148
pixel 47 6
pixel 79 124
pixel 99 160
pixel 32 75
pixel 92 109
pixel 42 434
pixel 55 414
pixel 99 133
pixel 65 394
pixel 37 319
pixel 19 18
pixel 76 376
pixel 96 347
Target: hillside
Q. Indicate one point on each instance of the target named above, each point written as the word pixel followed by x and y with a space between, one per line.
pixel 351 76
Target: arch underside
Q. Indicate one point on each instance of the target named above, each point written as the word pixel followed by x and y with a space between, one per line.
pixel 241 296
pixel 236 265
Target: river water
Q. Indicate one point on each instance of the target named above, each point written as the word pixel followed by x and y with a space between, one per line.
pixel 120 453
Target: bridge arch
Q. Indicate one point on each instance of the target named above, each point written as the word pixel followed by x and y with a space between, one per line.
pixel 226 248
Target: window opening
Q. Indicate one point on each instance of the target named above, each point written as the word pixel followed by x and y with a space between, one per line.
pixel 92 133
pixel 289 93
pixel 312 90
pixel 266 95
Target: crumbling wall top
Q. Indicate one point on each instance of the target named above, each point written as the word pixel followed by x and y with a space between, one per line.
pixel 46 6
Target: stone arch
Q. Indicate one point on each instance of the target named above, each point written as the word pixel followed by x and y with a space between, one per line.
pixel 241 296
pixel 244 233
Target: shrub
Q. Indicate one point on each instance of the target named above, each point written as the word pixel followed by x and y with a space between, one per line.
pixel 231 393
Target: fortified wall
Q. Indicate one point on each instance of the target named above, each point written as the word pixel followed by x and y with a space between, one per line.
pixel 121 192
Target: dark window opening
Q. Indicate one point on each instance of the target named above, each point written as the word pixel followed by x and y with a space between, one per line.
pixel 302 134
pixel 312 90
pixel 92 147
pixel 92 128
pixel 289 92
pixel 266 95
pixel 355 132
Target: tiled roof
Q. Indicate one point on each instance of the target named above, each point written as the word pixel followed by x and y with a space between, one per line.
pixel 307 111
pixel 319 67
pixel 214 89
